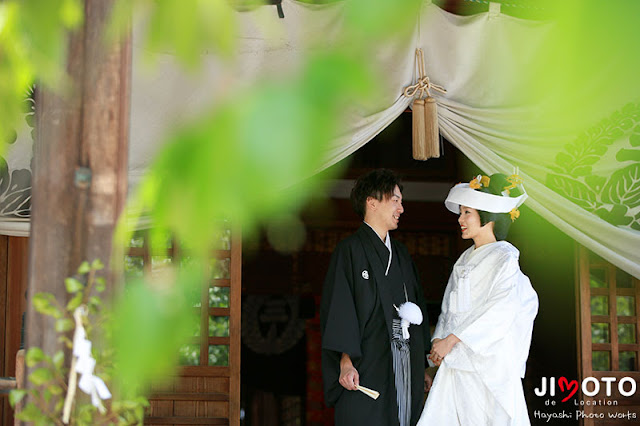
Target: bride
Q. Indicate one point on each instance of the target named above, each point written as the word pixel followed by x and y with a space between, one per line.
pixel 482 338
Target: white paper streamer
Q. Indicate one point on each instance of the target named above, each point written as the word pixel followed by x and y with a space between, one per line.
pixel 89 383
pixel 84 364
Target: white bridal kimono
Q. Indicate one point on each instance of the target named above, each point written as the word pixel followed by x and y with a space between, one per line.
pixel 490 306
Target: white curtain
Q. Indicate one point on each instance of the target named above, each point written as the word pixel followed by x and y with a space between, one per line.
pixel 485 62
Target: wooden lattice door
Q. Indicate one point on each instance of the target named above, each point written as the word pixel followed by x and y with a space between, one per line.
pixel 609 342
pixel 207 388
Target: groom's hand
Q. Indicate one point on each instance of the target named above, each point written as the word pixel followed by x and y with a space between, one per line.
pixel 349 377
pixel 428 381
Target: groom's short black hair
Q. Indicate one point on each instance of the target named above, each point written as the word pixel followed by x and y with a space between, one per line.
pixel 377 183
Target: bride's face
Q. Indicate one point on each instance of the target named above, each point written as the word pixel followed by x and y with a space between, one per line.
pixel 471 225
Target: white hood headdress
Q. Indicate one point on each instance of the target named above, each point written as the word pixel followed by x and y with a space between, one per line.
pixel 463 194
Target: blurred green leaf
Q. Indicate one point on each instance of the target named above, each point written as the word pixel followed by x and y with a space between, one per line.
pixel 58 407
pixel 75 302
pixel 40 376
pixel 34 355
pixel 84 268
pixel 568 52
pixel 130 404
pixel 367 21
pixel 95 301
pixel 15 396
pixel 255 142
pixel 97 265
pixel 150 324
pixel 100 284
pixel 44 303
pixel 63 325
pixel 16 68
pixel 186 28
pixel 33 42
pixel 31 413
pixel 139 411
pixel 73 284
pixel 58 359
pixel 84 414
pixel 67 342
pixel 44 25
pixel 55 390
pixel 71 13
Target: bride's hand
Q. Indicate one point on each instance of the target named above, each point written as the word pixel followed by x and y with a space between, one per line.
pixel 432 356
pixel 441 347
pixel 436 361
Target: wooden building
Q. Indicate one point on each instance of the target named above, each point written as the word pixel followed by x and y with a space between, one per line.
pixel 255 357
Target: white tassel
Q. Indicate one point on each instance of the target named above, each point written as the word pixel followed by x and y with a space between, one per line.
pixel 409 313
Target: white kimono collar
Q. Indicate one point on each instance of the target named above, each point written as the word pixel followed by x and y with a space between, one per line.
pixel 387 242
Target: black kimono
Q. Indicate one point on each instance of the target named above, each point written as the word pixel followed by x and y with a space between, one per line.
pixel 356 317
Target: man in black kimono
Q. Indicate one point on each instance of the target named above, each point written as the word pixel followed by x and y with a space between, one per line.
pixel 369 276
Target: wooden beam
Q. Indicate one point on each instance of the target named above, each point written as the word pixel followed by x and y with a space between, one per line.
pixel 235 322
pixel 190 396
pixel 187 420
pixel 80 171
pixel 5 408
pixel 16 275
pixel 7 383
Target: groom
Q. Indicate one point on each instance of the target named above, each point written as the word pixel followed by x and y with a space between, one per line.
pixel 369 275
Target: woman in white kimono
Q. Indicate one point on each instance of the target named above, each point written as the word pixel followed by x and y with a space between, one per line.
pixel 482 338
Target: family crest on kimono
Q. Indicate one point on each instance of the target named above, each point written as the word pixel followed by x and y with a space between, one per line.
pixel 482 338
pixel 375 333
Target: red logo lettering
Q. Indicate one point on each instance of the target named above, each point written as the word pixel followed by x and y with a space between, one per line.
pixel 563 384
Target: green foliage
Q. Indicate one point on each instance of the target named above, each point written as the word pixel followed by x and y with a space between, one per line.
pixel 84 268
pixel 75 301
pixel 72 284
pixel 100 284
pixel 186 27
pixel 46 304
pixel 16 396
pixel 32 47
pixel 250 150
pixel 578 87
pixel 64 324
pixel 247 160
pixel 49 375
pixel 152 321
pixel 34 356
pixel 40 376
pixel 366 21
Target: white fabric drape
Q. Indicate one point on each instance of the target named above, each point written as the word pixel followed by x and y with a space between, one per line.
pixel 482 118
pixel 484 61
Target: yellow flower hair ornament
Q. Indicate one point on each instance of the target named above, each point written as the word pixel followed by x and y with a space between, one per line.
pixel 515 213
pixel 479 182
pixel 514 180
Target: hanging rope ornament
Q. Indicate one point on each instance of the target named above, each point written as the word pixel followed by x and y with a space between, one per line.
pixel 426 137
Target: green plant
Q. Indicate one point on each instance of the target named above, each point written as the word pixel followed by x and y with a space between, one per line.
pixel 52 382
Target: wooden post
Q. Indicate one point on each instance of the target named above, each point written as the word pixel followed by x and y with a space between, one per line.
pixel 80 171
pixel 235 322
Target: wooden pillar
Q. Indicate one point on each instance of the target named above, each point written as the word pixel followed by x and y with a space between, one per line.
pixel 80 165
pixel 13 269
